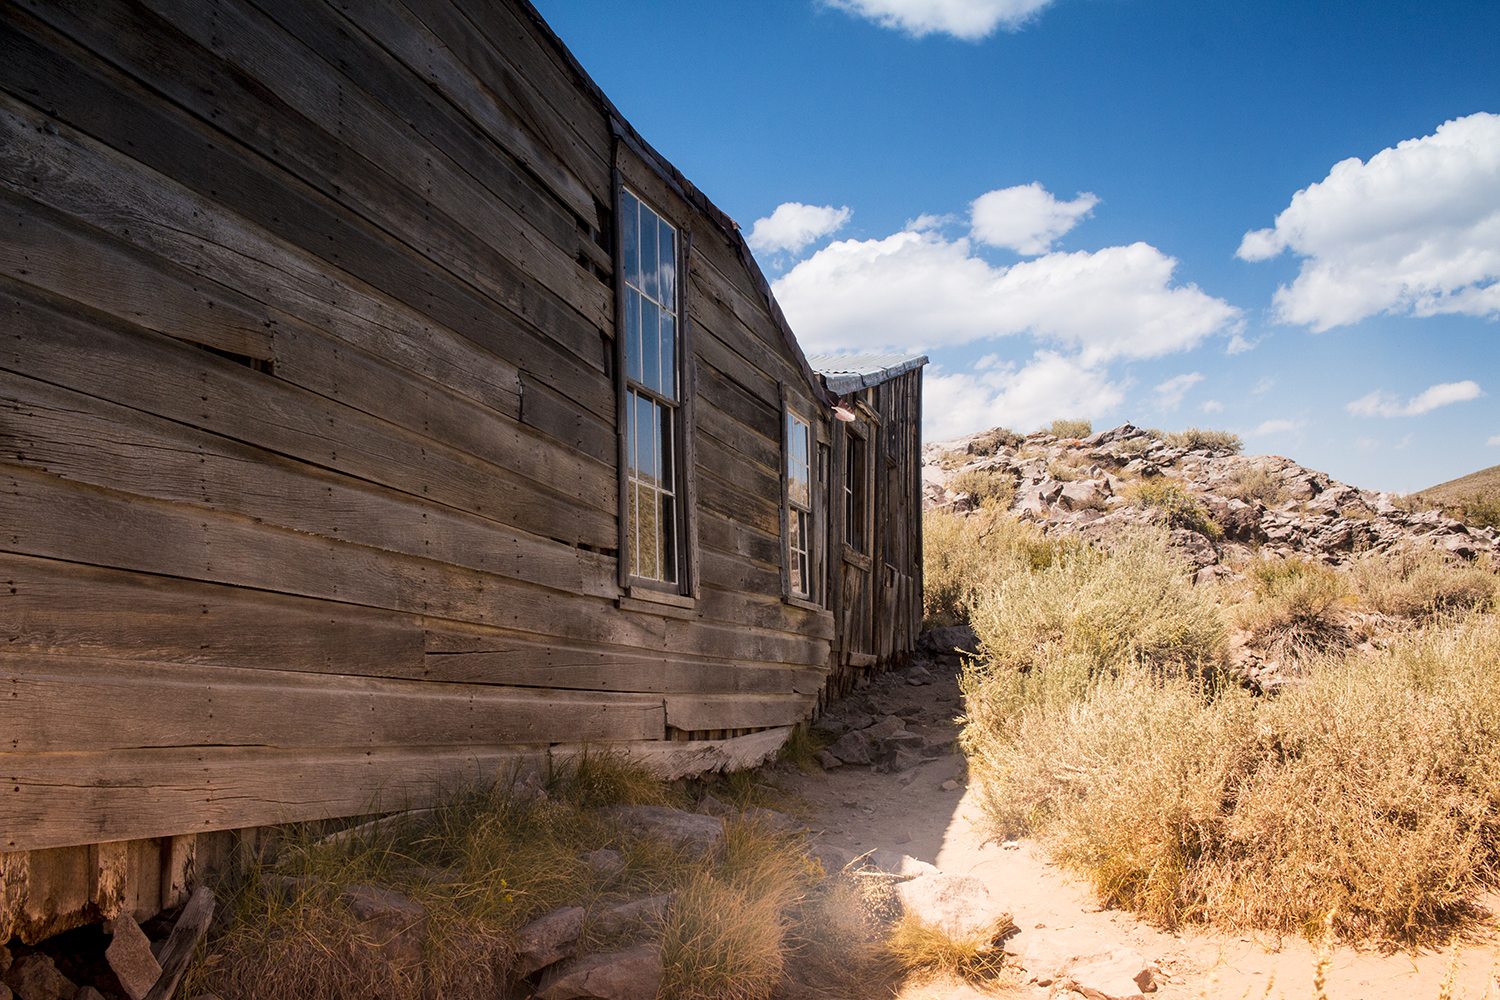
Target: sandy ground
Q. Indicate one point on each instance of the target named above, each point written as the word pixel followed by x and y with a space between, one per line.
pixel 854 808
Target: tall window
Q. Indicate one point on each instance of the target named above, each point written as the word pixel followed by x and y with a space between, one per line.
pixel 799 505
pixel 653 395
pixel 854 491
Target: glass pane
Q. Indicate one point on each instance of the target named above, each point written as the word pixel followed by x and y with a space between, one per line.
pixel 668 255
pixel 631 434
pixel 668 539
pixel 630 236
pixel 664 465
pixel 668 355
pixel 649 535
pixel 650 343
pixel 632 334
pixel 649 283
pixel 633 527
pixel 645 437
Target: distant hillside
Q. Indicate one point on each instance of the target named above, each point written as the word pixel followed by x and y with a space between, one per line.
pixel 1484 483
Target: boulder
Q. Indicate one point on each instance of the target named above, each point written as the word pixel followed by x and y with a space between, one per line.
pixel 34 977
pixel 851 749
pixel 894 863
pixel 548 939
pixel 958 905
pixel 885 727
pixel 698 834
pixel 623 975
pixel 129 955
pixel 648 912
pixel 951 639
pixel 1084 493
pixel 828 761
pixel 604 863
pixel 1124 975
pixel 393 924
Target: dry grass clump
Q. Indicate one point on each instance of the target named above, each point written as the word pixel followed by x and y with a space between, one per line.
pixel 919 947
pixel 1088 612
pixel 1421 582
pixel 993 488
pixel 1295 611
pixel 725 935
pixel 1371 789
pixel 964 556
pixel 1196 437
pixel 1255 483
pixel 994 439
pixel 1070 428
pixel 483 865
pixel 1173 505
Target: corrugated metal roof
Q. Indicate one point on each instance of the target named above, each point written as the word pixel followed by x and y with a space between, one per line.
pixel 850 372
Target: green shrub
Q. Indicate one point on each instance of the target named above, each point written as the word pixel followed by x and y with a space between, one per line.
pixel 1173 506
pixel 1478 511
pixel 1195 437
pixel 1070 428
pixel 992 488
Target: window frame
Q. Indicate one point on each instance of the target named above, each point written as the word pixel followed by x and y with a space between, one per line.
pixel 813 509
pixel 682 590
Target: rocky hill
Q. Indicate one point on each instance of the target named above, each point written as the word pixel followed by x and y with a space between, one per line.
pixel 1219 505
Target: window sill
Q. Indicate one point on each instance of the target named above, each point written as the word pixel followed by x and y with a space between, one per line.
pixel 804 604
pixel 653 608
pixel 654 596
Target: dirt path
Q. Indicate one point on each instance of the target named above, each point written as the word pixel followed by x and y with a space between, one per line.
pixel 911 812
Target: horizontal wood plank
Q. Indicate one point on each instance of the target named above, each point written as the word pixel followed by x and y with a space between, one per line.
pixel 81 704
pixel 156 375
pixel 695 712
pixel 46 249
pixel 48 606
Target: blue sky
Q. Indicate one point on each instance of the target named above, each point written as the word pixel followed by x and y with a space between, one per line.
pixel 1052 200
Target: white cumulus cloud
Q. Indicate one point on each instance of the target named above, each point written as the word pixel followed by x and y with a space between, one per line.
pixel 1494 440
pixel 1384 404
pixel 1169 394
pixel 918 290
pixel 794 225
pixel 1212 406
pixel 1023 398
pixel 1277 427
pixel 970 20
pixel 1415 230
pixel 1026 218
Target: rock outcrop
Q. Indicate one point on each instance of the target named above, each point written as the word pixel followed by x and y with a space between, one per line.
pixel 1262 501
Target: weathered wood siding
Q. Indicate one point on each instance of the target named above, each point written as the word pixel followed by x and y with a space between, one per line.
pixel 308 476
pixel 877 592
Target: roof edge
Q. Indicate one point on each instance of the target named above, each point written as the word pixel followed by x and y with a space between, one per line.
pixel 854 381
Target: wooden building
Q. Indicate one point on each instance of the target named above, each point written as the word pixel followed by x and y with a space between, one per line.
pixel 378 409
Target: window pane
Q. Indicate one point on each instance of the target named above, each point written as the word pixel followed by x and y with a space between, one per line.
pixel 649 534
pixel 668 355
pixel 650 345
pixel 668 255
pixel 631 433
pixel 668 521
pixel 645 438
pixel 649 283
pixel 630 236
pixel 633 526
pixel 666 453
pixel 632 334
